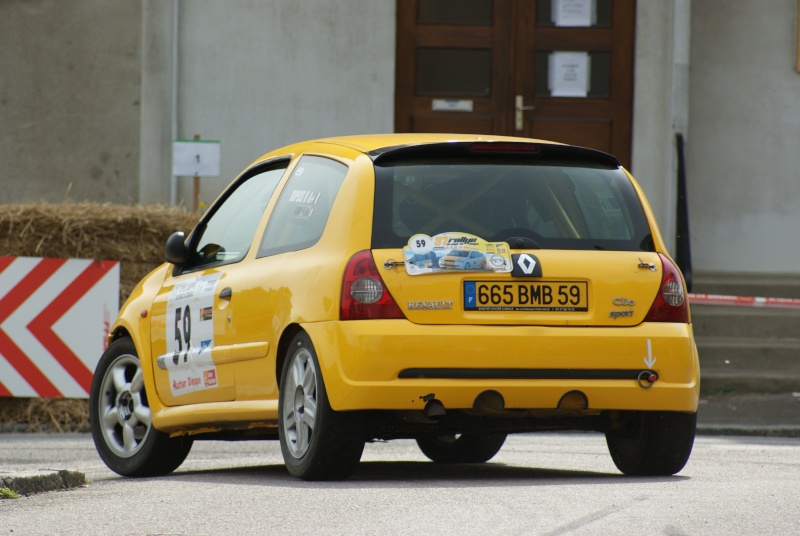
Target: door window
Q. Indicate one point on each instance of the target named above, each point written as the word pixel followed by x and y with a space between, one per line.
pixel 303 207
pixel 226 234
pixel 453 71
pixel 467 12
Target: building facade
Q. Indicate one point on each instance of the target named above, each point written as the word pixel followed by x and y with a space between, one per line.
pixel 93 93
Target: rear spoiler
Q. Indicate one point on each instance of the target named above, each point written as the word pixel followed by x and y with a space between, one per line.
pixel 545 152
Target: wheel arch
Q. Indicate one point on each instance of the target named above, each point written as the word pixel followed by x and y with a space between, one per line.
pixel 138 332
pixel 119 333
pixel 283 346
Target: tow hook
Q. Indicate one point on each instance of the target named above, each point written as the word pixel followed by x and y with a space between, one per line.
pixel 646 379
pixel 388 265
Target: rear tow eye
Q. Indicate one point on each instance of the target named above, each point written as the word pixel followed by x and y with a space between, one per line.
pixel 392 263
pixel 646 379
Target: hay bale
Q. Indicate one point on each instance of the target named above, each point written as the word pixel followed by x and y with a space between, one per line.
pixel 133 235
pixel 44 415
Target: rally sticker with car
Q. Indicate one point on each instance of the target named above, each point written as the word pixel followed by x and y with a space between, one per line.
pixel 448 252
pixel 190 336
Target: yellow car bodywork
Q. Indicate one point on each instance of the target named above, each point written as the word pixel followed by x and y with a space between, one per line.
pixel 361 361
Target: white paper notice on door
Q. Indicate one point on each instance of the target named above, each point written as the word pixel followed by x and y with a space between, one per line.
pixel 568 74
pixel 574 12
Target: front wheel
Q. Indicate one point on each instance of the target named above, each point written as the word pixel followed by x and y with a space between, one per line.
pixel 121 421
pixel 317 442
pixel 464 448
pixel 652 443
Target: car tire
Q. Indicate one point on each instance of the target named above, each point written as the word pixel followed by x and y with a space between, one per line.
pixel 121 420
pixel 464 448
pixel 317 442
pixel 652 443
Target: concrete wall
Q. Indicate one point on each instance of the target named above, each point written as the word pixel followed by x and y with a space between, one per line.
pixel 69 100
pixel 660 104
pixel 258 75
pixel 744 136
pixel 92 93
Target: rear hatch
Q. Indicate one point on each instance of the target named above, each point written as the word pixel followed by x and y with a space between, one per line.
pixel 512 233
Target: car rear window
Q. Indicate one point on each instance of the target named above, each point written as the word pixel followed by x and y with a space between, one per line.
pixel 557 203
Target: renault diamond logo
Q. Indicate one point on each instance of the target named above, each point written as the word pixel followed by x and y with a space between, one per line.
pixel 526 263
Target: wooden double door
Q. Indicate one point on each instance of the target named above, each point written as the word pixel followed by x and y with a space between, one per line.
pixel 560 70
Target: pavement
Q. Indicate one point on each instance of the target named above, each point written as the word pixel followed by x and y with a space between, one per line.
pixel 745 414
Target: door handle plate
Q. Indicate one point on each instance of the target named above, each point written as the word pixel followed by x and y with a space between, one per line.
pixel 519 108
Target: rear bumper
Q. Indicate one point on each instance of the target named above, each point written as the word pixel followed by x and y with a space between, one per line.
pixel 395 364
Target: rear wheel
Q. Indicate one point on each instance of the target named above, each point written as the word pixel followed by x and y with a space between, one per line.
pixel 652 443
pixel 121 421
pixel 317 442
pixel 461 448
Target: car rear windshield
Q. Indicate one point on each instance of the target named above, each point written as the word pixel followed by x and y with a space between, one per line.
pixel 552 204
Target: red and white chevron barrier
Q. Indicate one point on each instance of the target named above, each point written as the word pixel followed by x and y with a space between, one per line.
pixel 745 301
pixel 54 318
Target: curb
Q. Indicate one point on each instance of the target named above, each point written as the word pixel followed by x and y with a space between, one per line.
pixel 30 482
pixel 778 430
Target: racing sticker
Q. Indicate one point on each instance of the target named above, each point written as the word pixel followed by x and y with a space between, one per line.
pixel 190 336
pixel 304 200
pixel 448 252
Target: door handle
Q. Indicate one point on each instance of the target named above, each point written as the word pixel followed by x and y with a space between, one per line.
pixel 226 293
pixel 519 107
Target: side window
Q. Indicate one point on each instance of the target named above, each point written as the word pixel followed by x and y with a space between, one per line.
pixel 302 209
pixel 229 231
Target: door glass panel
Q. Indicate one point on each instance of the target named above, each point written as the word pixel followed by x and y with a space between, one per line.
pixel 453 71
pixel 546 10
pixel 227 234
pixel 460 12
pixel 599 74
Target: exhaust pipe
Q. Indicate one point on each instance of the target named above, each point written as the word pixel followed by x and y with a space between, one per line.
pixel 434 410
pixel 489 403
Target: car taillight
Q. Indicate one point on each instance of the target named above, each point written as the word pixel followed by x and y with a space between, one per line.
pixel 364 296
pixel 670 303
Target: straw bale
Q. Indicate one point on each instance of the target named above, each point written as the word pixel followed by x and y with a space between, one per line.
pixel 44 415
pixel 133 235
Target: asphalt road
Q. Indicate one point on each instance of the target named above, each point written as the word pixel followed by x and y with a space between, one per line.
pixel 538 484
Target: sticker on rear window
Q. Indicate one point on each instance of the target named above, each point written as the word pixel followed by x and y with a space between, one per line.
pixel 449 252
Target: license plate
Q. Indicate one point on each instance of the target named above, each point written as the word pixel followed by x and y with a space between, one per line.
pixel 553 296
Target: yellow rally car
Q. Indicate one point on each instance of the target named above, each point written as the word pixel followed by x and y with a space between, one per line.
pixel 310 305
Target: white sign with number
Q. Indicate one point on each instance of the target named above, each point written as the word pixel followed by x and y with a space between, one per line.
pixel 200 158
pixel 190 335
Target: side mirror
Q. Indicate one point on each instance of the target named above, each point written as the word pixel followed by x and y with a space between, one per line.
pixel 176 250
